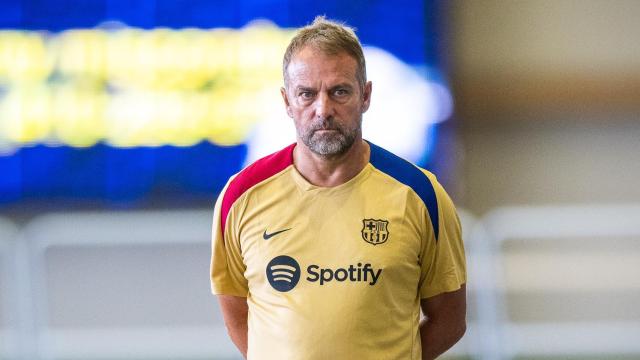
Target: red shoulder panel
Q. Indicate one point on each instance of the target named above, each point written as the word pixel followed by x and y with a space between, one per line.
pixel 252 175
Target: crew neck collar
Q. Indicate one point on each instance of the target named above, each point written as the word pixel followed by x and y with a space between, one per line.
pixel 305 185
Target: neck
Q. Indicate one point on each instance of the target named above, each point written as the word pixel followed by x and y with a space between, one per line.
pixel 331 171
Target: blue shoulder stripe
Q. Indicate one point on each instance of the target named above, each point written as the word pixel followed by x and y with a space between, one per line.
pixel 406 173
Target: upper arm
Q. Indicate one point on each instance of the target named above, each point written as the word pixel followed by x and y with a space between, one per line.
pixel 234 310
pixel 450 307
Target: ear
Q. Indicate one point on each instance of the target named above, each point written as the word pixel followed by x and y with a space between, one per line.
pixel 366 96
pixel 287 106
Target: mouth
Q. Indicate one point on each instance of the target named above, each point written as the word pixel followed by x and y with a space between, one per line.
pixel 325 130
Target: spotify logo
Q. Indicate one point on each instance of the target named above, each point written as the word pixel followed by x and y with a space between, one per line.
pixel 283 273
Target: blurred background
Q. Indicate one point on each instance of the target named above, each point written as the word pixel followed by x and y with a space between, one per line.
pixel 120 121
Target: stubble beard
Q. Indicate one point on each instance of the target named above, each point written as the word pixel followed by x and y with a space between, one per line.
pixel 330 144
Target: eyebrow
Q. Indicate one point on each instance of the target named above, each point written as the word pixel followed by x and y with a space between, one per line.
pixel 342 85
pixel 304 88
pixel 337 86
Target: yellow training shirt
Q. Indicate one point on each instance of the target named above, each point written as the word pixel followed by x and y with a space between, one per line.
pixel 335 273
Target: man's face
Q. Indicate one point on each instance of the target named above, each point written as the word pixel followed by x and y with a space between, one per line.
pixel 324 98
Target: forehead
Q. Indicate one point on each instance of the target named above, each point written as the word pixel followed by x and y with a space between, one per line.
pixel 312 65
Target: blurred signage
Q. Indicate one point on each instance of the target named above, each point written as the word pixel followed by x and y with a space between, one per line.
pixel 165 103
pixel 129 87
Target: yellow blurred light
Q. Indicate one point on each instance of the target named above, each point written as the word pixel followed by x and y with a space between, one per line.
pixel 24 115
pixel 78 116
pixel 82 53
pixel 122 66
pixel 24 57
pixel 133 87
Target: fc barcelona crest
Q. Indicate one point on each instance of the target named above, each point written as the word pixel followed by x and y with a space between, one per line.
pixel 375 231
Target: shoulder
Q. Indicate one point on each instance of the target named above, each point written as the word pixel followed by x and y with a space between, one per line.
pixel 254 174
pixel 260 171
pixel 421 181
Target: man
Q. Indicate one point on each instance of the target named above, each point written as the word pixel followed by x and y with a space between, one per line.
pixel 329 248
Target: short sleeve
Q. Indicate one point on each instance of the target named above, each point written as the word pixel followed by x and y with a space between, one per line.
pixel 443 265
pixel 227 265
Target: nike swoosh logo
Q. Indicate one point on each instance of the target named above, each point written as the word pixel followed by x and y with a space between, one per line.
pixel 269 236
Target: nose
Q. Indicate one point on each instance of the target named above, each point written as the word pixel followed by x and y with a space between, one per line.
pixel 323 106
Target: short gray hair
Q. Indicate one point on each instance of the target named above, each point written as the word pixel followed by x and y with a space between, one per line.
pixel 332 38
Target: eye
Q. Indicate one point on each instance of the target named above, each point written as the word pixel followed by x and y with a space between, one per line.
pixel 341 92
pixel 305 94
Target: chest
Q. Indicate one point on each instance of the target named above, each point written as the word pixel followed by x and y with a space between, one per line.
pixel 359 238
